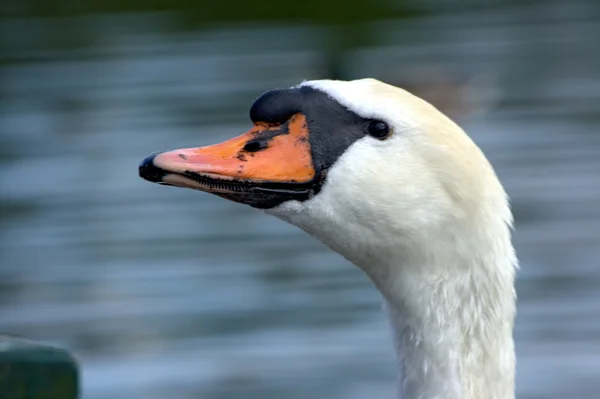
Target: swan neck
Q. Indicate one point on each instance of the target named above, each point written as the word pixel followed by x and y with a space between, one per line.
pixel 453 337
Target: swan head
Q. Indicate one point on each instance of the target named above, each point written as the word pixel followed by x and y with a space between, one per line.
pixel 371 170
pixel 386 180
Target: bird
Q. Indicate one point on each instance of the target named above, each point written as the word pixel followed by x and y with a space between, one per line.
pixel 396 187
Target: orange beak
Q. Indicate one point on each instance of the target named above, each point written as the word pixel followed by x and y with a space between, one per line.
pixel 263 161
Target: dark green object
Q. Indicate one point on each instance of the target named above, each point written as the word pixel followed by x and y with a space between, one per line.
pixel 30 370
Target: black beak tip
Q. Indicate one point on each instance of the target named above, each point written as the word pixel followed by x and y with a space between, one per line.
pixel 148 171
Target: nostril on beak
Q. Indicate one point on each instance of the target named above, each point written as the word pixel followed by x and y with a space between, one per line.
pixel 148 171
pixel 255 145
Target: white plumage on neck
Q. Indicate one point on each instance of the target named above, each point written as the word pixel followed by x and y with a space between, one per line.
pixel 425 217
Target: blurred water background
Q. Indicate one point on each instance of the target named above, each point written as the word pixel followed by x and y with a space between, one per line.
pixel 171 293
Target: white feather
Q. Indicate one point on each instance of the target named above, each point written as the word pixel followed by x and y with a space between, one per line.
pixel 425 217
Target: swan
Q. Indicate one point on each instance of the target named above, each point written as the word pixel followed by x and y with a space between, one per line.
pixel 398 189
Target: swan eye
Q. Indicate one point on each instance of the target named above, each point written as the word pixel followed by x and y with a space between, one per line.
pixel 378 129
